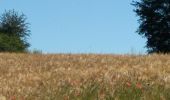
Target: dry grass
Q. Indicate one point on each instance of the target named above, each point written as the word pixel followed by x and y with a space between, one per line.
pixel 84 77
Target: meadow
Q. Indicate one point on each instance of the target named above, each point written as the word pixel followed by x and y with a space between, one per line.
pixel 84 77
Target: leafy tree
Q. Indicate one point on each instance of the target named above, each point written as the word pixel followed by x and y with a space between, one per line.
pixel 13 32
pixel 154 19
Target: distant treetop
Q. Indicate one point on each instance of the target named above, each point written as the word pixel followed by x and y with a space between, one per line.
pixel 14 32
pixel 154 20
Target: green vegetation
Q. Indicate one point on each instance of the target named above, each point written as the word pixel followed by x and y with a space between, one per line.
pixel 154 19
pixel 13 32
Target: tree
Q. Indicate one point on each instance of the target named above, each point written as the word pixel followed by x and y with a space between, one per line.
pixel 13 32
pixel 154 20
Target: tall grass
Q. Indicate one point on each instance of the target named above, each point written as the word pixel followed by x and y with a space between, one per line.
pixel 84 77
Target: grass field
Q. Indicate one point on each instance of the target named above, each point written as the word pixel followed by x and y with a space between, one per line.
pixel 84 77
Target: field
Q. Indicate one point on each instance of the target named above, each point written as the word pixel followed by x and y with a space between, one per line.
pixel 84 77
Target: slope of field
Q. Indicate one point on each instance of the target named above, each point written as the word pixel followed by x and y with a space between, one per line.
pixel 84 77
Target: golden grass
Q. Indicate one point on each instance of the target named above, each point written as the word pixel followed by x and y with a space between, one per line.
pixel 68 76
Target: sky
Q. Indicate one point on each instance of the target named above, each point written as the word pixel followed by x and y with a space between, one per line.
pixel 80 26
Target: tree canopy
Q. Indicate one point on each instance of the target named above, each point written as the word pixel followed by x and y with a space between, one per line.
pixel 14 32
pixel 154 20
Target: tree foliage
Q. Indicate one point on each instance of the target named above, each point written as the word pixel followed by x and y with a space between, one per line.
pixel 154 19
pixel 13 32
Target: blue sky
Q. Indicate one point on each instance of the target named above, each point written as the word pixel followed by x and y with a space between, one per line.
pixel 80 26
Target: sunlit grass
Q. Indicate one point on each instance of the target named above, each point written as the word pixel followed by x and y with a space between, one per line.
pixel 84 77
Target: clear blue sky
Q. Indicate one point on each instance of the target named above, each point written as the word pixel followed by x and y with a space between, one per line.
pixel 80 26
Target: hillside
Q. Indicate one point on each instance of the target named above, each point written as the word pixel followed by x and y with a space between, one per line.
pixel 84 77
